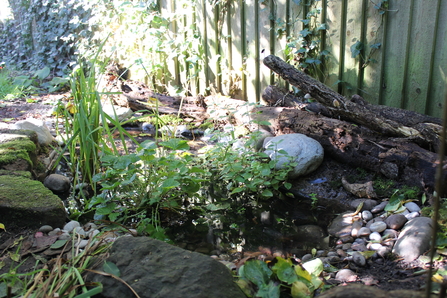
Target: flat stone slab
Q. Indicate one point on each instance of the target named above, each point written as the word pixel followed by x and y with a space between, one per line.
pixel 157 269
pixel 28 203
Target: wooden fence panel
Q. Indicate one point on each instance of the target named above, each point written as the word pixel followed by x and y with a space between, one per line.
pixel 400 59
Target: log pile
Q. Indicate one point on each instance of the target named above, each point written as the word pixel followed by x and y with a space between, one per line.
pixel 400 144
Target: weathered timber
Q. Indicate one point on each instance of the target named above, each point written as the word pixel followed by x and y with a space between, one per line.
pixel 394 122
pixel 359 146
pixel 138 97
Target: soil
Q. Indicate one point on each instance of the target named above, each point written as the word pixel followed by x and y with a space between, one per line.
pixel 388 274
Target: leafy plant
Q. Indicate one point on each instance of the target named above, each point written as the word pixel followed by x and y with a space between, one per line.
pixel 257 279
pixel 9 88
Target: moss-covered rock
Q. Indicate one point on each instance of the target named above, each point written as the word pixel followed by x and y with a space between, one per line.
pixel 18 150
pixel 28 203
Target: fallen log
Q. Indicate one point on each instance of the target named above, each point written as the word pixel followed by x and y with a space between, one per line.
pixel 359 146
pixel 139 97
pixel 394 122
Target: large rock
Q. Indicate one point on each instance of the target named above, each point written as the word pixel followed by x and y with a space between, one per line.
pixel 156 269
pixel 414 239
pixel 44 135
pixel 28 203
pixel 305 151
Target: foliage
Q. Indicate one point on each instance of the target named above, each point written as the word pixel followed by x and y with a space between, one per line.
pixel 399 198
pixel 23 44
pixel 257 279
pixel 8 88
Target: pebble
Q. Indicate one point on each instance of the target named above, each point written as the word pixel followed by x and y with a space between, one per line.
pixel 363 232
pixel 367 215
pixel 356 226
pixel 80 231
pixel 379 208
pixel 54 232
pixel 375 236
pixel 346 275
pixel 378 226
pixel 82 243
pixel 412 207
pixel 396 221
pixel 306 257
pixel 412 215
pixel 64 236
pixel 358 259
pixel 71 225
pixel 45 229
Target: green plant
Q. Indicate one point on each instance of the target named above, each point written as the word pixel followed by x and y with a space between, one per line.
pixel 399 198
pixel 139 186
pixel 257 279
pixel 9 88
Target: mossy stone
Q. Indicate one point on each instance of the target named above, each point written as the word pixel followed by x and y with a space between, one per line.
pixel 18 150
pixel 28 203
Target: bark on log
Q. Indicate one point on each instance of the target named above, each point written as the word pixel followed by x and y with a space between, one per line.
pixel 138 96
pixel 394 122
pixel 359 146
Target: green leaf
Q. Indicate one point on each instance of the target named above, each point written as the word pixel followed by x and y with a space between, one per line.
pixel 175 144
pixel 170 183
pixel 90 293
pixel 111 268
pixel 284 270
pixel 267 193
pixel 105 210
pixel 356 49
pixel 300 290
pixel 314 267
pixel 256 271
pixel 42 73
pixel 268 291
pixel 58 244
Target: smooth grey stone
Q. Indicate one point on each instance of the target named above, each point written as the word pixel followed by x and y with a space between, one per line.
pixel 412 207
pixel 396 221
pixel 45 229
pixel 378 227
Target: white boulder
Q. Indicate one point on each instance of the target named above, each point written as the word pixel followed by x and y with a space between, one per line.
pixel 306 152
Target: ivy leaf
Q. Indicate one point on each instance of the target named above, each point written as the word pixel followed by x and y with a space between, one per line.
pixel 58 244
pixel 356 49
pixel 43 73
pixel 300 290
pixel 268 291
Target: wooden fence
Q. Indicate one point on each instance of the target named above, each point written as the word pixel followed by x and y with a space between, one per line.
pixel 391 52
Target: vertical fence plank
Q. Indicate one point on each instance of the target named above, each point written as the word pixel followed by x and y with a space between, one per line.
pixel 371 83
pixel 334 42
pixel 266 44
pixel 437 87
pixel 252 45
pixel 352 32
pixel 394 52
pixel 281 31
pixel 421 42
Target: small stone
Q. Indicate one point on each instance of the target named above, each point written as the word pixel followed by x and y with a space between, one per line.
pixel 378 227
pixel 390 234
pixel 57 183
pixel 367 215
pixel 71 225
pixel 359 247
pixel 356 226
pixel 45 229
pixel 54 232
pixel 93 233
pixel 346 246
pixel 376 219
pixel 306 257
pixel 375 246
pixel 341 252
pixel 379 208
pixel 346 239
pixel 346 275
pixel 396 221
pixel 64 236
pixel 375 236
pixel 332 254
pixel 368 204
pixel 412 215
pixel 363 232
pixel 81 244
pixel 358 259
pixel 412 207
pixel 90 226
pixel 80 231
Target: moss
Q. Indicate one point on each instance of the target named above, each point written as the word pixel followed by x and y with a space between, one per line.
pixel 21 148
pixel 27 202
